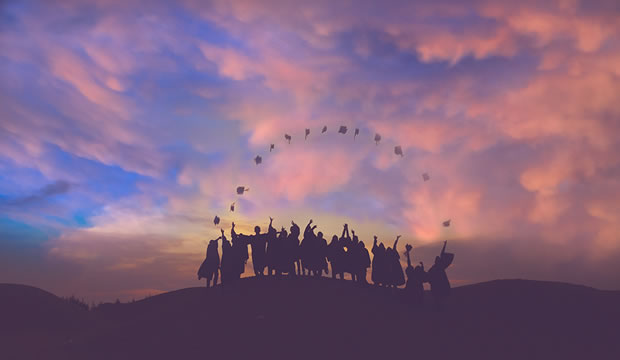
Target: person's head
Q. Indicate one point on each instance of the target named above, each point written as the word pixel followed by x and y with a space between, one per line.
pixel 355 239
pixel 257 229
pixel 361 245
pixel 335 239
pixel 381 247
pixel 319 235
pixel 437 259
pixel 283 234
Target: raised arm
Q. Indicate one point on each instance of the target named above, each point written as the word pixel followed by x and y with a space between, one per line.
pixel 308 228
pixel 443 250
pixel 233 234
pixel 271 224
pixel 396 243
pixel 408 248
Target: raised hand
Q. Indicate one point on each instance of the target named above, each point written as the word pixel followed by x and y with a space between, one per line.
pixel 408 247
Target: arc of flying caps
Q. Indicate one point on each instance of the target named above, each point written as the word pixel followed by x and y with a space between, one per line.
pixel 342 130
pixel 216 220
pixel 426 177
pixel 241 190
pixel 357 132
pixel 307 133
pixel 271 147
pixel 258 159
pixel 324 129
pixel 377 138
pixel 398 150
pixel 232 207
pixel 446 223
pixel 288 138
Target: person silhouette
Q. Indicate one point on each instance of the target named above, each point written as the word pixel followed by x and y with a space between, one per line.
pixel 258 243
pixel 363 263
pixel 396 275
pixel 335 253
pixel 378 274
pixel 227 264
pixel 293 250
pixel 437 277
pixel 353 257
pixel 320 254
pixel 305 249
pixel 414 288
pixel 281 252
pixel 271 251
pixel 209 268
pixel 239 253
pixel 345 245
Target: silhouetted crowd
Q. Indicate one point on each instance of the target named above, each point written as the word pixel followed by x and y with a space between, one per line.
pixel 276 253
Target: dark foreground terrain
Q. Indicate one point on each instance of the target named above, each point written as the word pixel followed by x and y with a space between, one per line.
pixel 314 319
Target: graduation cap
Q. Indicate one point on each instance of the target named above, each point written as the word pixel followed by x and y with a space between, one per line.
pixel 342 130
pixel 357 132
pixel 216 220
pixel 377 138
pixel 271 147
pixel 324 129
pixel 258 159
pixel 232 207
pixel 398 150
pixel 288 137
pixel 307 133
pixel 426 177
pixel 241 189
pixel 446 223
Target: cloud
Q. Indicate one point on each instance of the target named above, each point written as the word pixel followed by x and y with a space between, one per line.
pixel 511 108
pixel 48 191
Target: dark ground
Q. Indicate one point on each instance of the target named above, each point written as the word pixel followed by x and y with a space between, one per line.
pixel 317 318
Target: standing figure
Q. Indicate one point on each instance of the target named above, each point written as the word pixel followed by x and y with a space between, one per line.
pixel 240 252
pixel 271 251
pixel 363 263
pixel 293 249
pixel 258 243
pixel 437 277
pixel 378 274
pixel 227 264
pixel 210 266
pixel 335 253
pixel 396 274
pixel 414 289
pixel 345 245
pixel 281 253
pixel 321 254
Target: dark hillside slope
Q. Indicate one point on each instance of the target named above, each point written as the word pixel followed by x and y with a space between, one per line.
pixel 322 318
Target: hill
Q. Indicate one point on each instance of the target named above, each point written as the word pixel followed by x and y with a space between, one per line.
pixel 323 318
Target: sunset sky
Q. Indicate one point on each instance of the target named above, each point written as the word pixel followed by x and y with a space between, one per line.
pixel 125 127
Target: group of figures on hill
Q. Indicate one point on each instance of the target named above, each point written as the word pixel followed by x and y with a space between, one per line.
pixel 276 253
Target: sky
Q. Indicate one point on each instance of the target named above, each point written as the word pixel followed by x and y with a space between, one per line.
pixel 125 127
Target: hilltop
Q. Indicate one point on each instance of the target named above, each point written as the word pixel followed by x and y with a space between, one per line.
pixel 318 318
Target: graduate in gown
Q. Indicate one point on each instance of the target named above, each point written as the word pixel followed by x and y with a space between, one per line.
pixel 437 277
pixel 210 266
pixel 414 289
